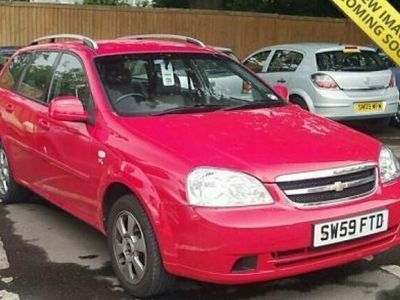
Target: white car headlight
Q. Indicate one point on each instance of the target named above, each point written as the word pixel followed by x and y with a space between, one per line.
pixel 389 165
pixel 223 188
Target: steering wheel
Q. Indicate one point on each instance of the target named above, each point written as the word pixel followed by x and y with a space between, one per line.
pixel 123 97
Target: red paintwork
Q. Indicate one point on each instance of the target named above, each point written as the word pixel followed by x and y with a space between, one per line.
pixel 67 109
pixel 282 91
pixel 153 155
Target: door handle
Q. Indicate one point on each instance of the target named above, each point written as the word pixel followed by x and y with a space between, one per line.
pixel 44 124
pixel 281 80
pixel 9 108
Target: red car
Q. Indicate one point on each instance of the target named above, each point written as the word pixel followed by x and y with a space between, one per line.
pixel 147 140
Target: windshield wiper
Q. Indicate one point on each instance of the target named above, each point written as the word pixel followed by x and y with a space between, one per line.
pixel 255 105
pixel 188 109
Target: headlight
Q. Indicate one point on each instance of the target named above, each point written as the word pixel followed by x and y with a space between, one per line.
pixel 222 188
pixel 389 165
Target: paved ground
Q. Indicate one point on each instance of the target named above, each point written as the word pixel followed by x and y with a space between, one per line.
pixel 46 254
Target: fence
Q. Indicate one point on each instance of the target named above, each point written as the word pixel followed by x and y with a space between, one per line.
pixel 243 32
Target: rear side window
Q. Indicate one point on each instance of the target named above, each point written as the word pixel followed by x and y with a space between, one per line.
pixel 385 59
pixel 285 61
pixel 35 81
pixel 70 80
pixel 357 61
pixel 11 76
pixel 257 62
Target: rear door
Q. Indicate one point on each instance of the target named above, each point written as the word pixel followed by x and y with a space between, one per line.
pixel 24 86
pixel 282 67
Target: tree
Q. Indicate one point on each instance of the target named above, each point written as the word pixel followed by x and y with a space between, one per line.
pixel 200 4
pixel 287 7
pixel 316 8
pixel 206 4
pixel 105 2
pixel 171 3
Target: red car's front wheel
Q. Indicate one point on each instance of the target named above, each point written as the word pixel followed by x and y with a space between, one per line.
pixel 134 250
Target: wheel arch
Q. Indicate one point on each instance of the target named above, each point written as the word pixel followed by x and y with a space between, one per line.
pixel 142 189
pixel 303 95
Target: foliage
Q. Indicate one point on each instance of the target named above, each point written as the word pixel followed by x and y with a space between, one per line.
pixel 291 7
pixel 105 2
pixel 171 3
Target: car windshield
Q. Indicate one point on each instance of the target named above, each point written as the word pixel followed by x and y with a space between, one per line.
pixel 154 84
pixel 350 61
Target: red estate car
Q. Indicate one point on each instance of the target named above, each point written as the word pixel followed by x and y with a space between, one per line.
pixel 147 140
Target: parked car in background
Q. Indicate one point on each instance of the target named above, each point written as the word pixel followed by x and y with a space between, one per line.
pixel 184 176
pixel 6 53
pixel 396 71
pixel 336 81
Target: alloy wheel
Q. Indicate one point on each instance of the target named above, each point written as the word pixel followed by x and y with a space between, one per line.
pixel 4 173
pixel 129 247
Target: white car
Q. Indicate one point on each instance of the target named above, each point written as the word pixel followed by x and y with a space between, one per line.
pixel 336 81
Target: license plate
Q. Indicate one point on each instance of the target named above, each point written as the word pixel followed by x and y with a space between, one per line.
pixel 369 107
pixel 351 228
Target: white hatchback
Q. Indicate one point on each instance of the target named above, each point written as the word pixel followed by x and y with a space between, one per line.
pixel 336 81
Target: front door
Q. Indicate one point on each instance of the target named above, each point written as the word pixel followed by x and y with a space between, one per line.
pixel 67 148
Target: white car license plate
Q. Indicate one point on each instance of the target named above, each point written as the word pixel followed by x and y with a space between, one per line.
pixel 351 228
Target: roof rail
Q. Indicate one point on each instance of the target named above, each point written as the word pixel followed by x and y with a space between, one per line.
pixel 52 38
pixel 171 37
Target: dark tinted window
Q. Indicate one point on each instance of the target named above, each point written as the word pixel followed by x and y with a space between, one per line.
pixel 386 60
pixel 285 61
pixel 356 61
pixel 37 76
pixel 11 76
pixel 70 79
pixel 257 62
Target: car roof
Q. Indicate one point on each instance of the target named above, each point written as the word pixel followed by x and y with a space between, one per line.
pixel 119 46
pixel 314 47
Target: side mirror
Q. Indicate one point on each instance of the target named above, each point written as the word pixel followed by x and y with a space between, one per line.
pixel 68 109
pixel 282 91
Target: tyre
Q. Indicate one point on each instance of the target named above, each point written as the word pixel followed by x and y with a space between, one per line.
pixel 300 102
pixel 10 191
pixel 134 250
pixel 395 122
pixel 377 125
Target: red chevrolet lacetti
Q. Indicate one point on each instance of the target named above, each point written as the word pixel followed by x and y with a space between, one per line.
pixel 189 163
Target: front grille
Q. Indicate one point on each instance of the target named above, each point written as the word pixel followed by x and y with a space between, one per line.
pixel 327 186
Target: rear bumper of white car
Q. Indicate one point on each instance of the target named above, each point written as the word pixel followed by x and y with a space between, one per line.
pixel 340 105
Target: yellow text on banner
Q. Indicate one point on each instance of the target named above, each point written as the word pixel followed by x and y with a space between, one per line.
pixel 379 20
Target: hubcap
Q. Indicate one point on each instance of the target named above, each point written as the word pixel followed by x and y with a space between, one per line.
pixel 4 173
pixel 129 247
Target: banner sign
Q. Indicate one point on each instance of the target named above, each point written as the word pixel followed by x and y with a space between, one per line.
pixel 379 20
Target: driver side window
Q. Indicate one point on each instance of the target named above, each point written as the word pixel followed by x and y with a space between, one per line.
pixel 69 79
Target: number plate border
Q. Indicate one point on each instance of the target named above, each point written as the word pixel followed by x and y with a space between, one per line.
pixel 344 218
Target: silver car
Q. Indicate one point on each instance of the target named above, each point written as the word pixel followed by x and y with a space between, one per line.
pixel 336 81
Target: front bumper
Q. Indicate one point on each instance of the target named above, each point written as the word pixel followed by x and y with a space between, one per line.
pixel 210 242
